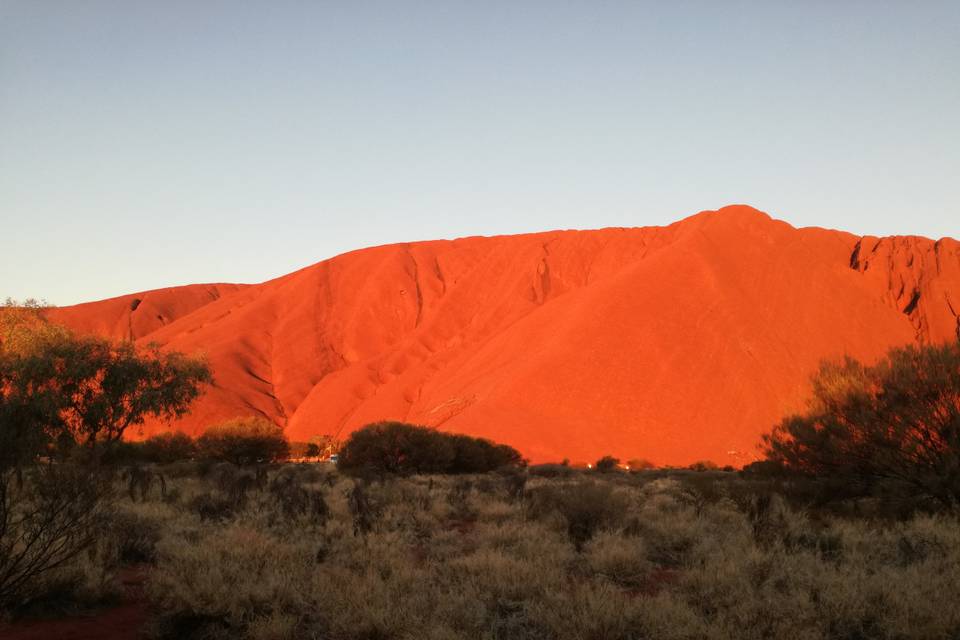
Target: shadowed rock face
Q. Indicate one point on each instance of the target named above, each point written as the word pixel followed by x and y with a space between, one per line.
pixel 670 343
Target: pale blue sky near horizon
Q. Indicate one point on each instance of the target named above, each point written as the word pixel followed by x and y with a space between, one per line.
pixel 152 144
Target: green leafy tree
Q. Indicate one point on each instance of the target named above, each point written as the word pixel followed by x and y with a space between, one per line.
pixel 244 441
pixel 895 421
pixel 58 388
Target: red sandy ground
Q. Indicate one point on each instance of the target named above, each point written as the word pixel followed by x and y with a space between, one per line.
pixel 671 343
pixel 122 622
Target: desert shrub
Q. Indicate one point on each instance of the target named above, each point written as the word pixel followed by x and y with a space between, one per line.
pixel 458 498
pixel 895 422
pixel 71 398
pixel 640 464
pixel 551 470
pixel 213 506
pixel 173 495
pixel 397 448
pixel 514 483
pixel 476 455
pixel 135 535
pixel 244 441
pixel 120 452
pixel 87 581
pixel 229 584
pixel 293 500
pixel 606 464
pixel 586 506
pixel 703 465
pixel 762 469
pixel 187 468
pixel 140 480
pixel 45 522
pixel 169 447
pixel 619 559
pixel 363 510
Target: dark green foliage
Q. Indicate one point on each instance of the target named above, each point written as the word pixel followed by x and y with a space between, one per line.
pixel 244 441
pixel 897 422
pixel 397 448
pixel 71 398
pixel 169 447
pixel 59 389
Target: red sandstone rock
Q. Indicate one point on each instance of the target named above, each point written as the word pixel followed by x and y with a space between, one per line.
pixel 673 343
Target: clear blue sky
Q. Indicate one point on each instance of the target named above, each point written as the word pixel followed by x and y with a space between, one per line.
pixel 148 144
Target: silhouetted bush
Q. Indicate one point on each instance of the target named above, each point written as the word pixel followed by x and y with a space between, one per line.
pixel 244 441
pixel 398 448
pixel 119 452
pixel 640 464
pixel 703 465
pixel 606 464
pixel 169 447
pixel 894 423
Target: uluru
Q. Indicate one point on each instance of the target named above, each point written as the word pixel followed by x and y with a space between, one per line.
pixel 673 344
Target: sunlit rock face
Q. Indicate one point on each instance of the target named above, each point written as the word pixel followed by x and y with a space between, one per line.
pixel 674 344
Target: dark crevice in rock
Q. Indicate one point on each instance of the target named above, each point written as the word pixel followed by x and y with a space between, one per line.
pixel 855 256
pixel 135 303
pixel 439 272
pixel 914 299
pixel 416 283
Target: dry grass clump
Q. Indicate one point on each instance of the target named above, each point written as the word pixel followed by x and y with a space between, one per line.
pixel 233 578
pixel 585 505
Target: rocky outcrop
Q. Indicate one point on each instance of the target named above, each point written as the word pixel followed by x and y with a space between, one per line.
pixel 916 276
pixel 670 343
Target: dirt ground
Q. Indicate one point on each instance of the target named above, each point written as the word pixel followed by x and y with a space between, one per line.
pixel 122 622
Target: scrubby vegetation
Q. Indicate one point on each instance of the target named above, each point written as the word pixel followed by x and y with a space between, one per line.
pixel 244 441
pixel 895 424
pixel 303 551
pixel 403 449
pixel 65 402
